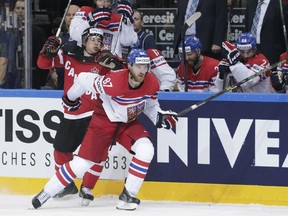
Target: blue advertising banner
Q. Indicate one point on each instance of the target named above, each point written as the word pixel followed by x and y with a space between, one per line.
pixel 238 141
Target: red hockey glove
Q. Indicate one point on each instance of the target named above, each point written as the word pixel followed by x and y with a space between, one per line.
pixel 124 8
pixel 107 59
pixel 166 119
pixel 230 53
pixel 277 80
pixel 51 47
pixel 98 15
pixel 71 105
pixel 223 68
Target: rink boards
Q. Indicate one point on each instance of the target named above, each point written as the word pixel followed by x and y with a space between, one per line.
pixel 231 150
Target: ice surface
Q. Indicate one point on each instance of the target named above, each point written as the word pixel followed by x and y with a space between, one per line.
pixel 14 205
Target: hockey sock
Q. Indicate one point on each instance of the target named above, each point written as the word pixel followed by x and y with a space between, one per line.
pixel 61 158
pixel 136 174
pixel 91 176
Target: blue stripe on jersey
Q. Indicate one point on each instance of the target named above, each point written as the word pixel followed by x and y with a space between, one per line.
pixel 138 168
pixel 65 174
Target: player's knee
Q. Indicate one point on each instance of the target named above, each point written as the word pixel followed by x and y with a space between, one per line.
pixel 80 166
pixel 143 149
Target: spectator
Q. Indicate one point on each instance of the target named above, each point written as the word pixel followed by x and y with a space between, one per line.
pixel 145 39
pixel 242 62
pixel 210 28
pixel 268 30
pixel 201 70
pixel 39 77
pixel 3 56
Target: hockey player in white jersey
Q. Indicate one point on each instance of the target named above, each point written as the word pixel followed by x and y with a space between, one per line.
pixel 243 61
pixel 117 27
pixel 160 68
pixel 122 97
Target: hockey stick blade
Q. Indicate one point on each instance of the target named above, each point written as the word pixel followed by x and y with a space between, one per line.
pixel 189 22
pixel 230 88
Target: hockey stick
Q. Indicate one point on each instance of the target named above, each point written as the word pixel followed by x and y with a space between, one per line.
pixel 284 26
pixel 230 88
pixel 63 18
pixel 186 25
pixel 117 36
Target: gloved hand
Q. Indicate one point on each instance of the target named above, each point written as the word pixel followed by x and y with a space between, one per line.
pixel 124 8
pixel 230 53
pixel 277 80
pixel 51 47
pixel 223 68
pixel 166 119
pixel 98 15
pixel 107 59
pixel 71 105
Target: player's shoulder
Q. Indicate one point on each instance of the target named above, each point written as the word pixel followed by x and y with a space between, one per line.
pixel 85 9
pixel 153 53
pixel 211 60
pixel 152 81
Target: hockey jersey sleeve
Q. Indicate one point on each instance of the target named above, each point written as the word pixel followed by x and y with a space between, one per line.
pixel 240 72
pixel 152 109
pixel 128 36
pixel 160 68
pixel 79 23
pixel 48 63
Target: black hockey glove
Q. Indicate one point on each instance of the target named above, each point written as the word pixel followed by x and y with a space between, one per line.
pixel 124 8
pixel 166 119
pixel 230 53
pixel 277 80
pixel 98 15
pixel 71 105
pixel 107 59
pixel 51 47
pixel 223 69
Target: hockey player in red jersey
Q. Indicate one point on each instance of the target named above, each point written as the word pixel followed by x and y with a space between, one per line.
pixel 117 27
pixel 201 70
pixel 122 96
pixel 241 62
pixel 74 124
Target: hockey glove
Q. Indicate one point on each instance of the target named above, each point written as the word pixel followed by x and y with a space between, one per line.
pixel 51 47
pixel 230 53
pixel 223 69
pixel 71 105
pixel 277 80
pixel 107 59
pixel 98 15
pixel 124 8
pixel 166 119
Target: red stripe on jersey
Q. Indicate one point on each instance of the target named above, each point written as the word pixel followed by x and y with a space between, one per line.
pixel 61 179
pixel 154 66
pixel 69 170
pixel 141 163
pixel 139 175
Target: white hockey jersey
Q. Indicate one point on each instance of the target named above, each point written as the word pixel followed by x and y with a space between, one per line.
pixel 160 68
pixel 116 32
pixel 240 71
